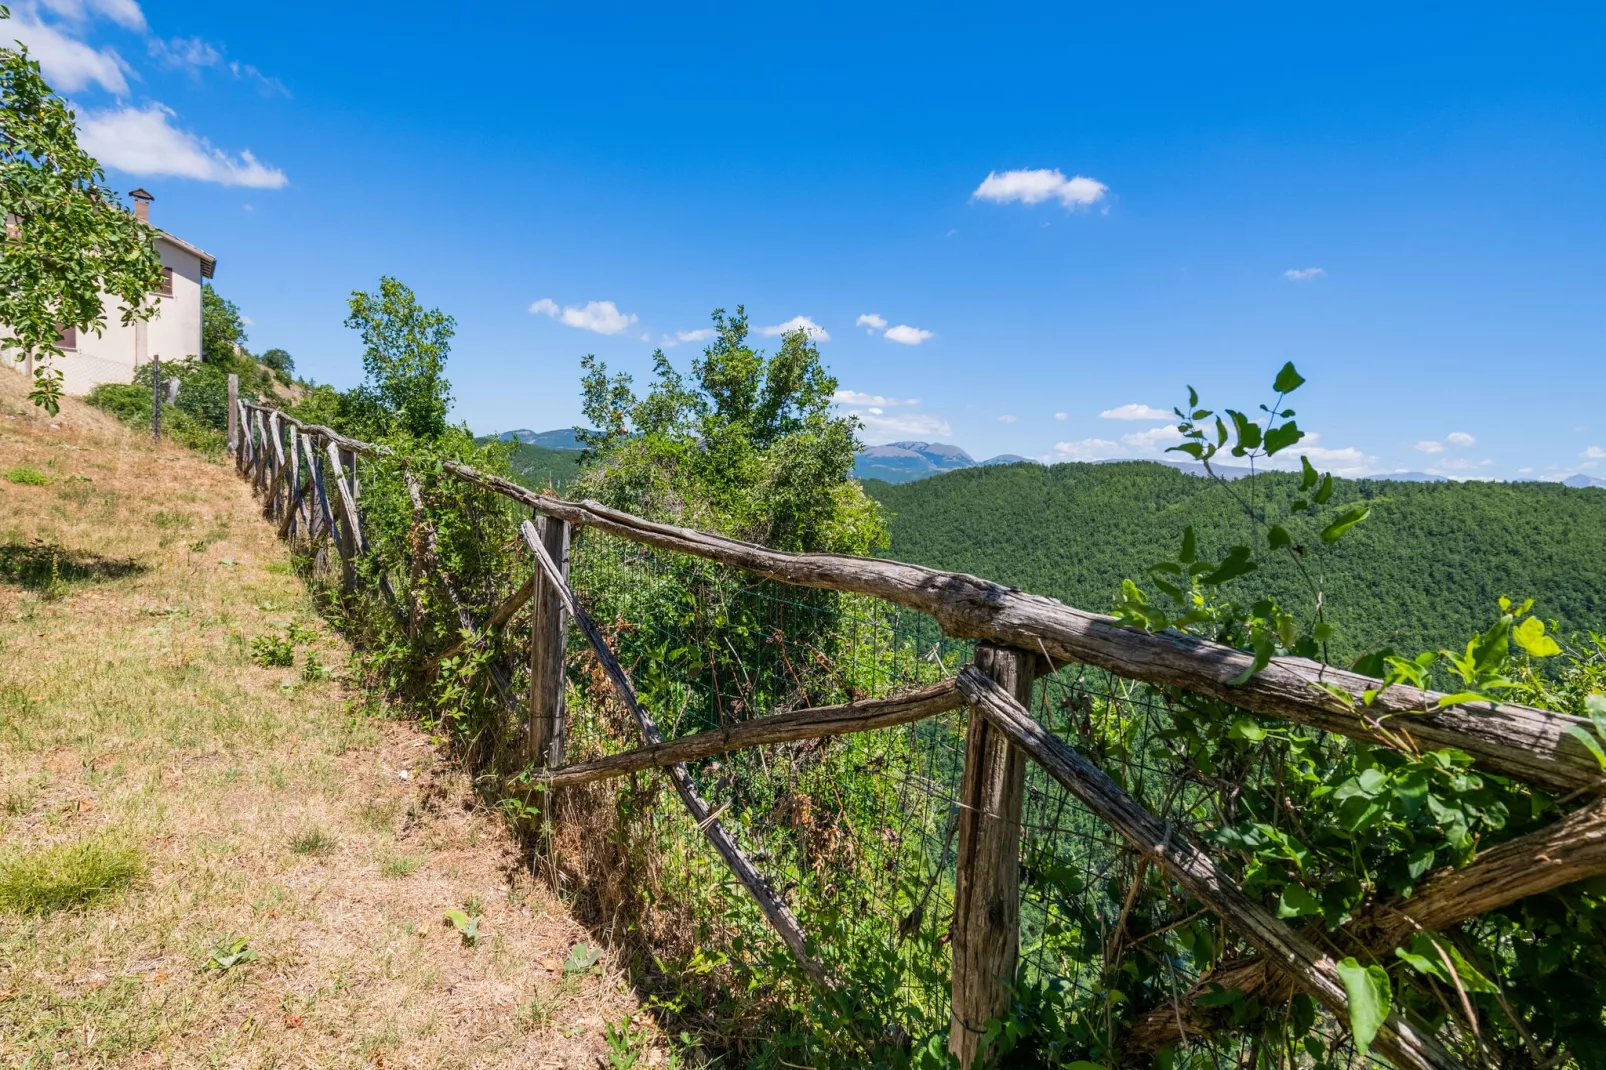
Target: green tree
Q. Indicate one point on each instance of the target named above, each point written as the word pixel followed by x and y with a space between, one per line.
pixel 279 360
pixel 747 445
pixel 404 355
pixel 68 238
pixel 222 330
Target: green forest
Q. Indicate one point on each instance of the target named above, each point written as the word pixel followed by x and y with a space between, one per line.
pixel 1424 571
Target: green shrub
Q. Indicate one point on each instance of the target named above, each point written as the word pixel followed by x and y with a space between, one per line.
pixel 273 651
pixel 30 477
pixel 66 875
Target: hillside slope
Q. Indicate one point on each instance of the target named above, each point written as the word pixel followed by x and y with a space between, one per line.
pixel 1424 571
pixel 144 752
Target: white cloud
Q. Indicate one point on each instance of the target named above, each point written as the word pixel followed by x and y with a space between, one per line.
pixel 191 52
pixel 1062 416
pixel 125 13
pixel 904 334
pixel 1594 453
pixel 871 321
pixel 855 397
pixel 879 425
pixel 1304 274
pixel 143 141
pixel 69 65
pixel 1008 419
pixel 701 335
pixel 1135 411
pixel 1458 464
pixel 803 323
pixel 1036 186
pixel 1525 471
pixel 1460 438
pixel 1156 438
pixel 1346 461
pixel 603 317
pixel 1088 449
pixel 1430 446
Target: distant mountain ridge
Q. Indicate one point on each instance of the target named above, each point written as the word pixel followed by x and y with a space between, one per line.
pixel 911 459
pixel 563 438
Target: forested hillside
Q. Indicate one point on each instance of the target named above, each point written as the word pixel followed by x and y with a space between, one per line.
pixel 1423 571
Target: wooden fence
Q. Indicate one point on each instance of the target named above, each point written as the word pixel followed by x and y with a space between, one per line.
pixel 308 478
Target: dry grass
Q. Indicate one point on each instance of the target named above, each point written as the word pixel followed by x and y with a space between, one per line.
pixel 168 797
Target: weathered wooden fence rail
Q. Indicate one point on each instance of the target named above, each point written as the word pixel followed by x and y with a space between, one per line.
pixel 308 478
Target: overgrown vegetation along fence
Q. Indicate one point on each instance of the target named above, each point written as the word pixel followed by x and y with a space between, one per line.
pixel 1008 847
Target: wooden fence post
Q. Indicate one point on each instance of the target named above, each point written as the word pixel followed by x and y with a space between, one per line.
pixel 548 635
pixel 986 932
pixel 234 418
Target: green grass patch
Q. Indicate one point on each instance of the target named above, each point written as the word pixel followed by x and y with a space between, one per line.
pixel 312 842
pixel 28 477
pixel 46 879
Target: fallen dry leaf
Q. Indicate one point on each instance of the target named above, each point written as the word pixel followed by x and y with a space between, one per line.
pixel 292 1021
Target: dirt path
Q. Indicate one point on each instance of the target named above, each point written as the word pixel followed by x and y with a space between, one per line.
pixel 146 753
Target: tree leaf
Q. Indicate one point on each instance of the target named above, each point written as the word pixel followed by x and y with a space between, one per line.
pixel 1595 708
pixel 1278 537
pixel 1587 738
pixel 1335 531
pixel 1325 491
pixel 1530 635
pixel 1309 475
pixel 1296 902
pixel 1282 436
pixel 1370 999
pixel 1288 380
pixel 1236 563
pixel 1190 546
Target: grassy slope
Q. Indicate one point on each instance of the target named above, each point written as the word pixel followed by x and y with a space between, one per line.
pixel 1423 571
pixel 253 804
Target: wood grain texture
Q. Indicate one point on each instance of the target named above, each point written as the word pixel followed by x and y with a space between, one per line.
pixel 774 908
pixel 1569 850
pixel 1402 1043
pixel 549 631
pixel 986 926
pixel 816 722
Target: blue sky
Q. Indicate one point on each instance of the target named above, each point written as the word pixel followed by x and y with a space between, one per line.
pixel 1404 200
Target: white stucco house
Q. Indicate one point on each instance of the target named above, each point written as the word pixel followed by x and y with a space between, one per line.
pixel 172 334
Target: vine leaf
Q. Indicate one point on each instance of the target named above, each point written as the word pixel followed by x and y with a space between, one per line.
pixel 1530 635
pixel 1425 957
pixel 1335 531
pixel 1370 999
pixel 1583 735
pixel 1288 380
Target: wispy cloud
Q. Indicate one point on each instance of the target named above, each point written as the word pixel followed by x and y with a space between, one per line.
pixel 906 335
pixel 1459 439
pixel 1008 418
pixel 144 141
pixel 1155 439
pixel 1088 449
pixel 1304 274
pixel 602 317
pixel 871 322
pixel 1036 186
pixel 69 64
pixel 702 334
pixel 1593 453
pixel 1062 416
pixel 125 13
pixel 885 427
pixel 797 323
pixel 184 52
pixel 1452 465
pixel 1135 411
pixel 855 397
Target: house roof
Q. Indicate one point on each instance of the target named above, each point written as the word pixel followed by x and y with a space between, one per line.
pixel 208 261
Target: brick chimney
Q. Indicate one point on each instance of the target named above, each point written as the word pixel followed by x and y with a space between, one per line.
pixel 142 204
